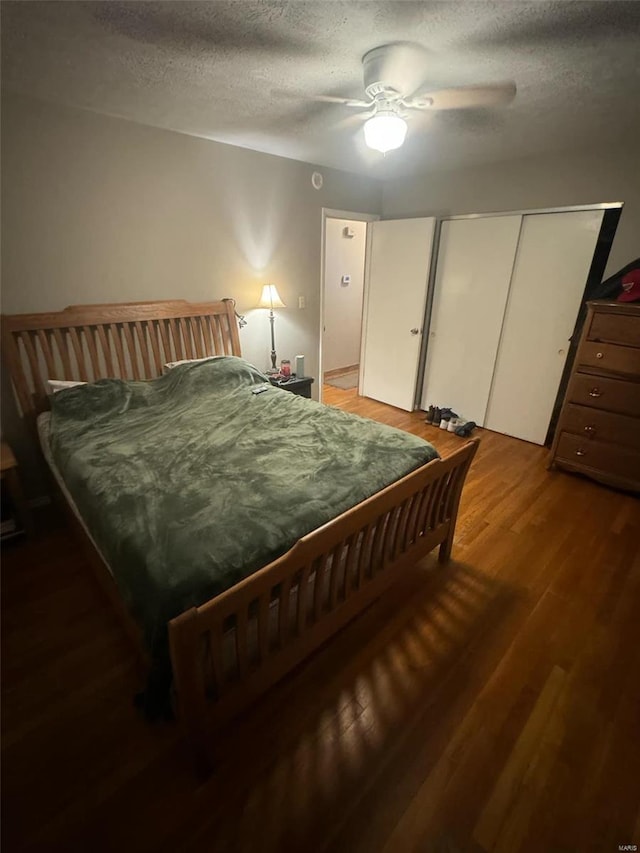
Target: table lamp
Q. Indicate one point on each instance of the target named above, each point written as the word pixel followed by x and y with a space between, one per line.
pixel 270 299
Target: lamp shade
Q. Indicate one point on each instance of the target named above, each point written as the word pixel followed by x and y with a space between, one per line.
pixel 269 298
pixel 385 131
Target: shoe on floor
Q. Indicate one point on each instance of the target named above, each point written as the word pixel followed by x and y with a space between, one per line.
pixel 466 429
pixel 429 418
pixel 447 414
pixel 454 423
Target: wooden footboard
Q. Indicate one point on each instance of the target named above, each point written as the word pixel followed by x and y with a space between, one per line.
pixel 233 648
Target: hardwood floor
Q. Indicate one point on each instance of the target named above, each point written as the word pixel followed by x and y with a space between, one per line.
pixel 489 705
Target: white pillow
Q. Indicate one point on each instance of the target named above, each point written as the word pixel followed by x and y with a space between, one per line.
pixel 171 364
pixel 56 385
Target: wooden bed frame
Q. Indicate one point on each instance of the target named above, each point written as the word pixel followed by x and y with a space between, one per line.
pixel 279 615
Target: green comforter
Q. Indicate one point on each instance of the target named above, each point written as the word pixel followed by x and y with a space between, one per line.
pixel 190 482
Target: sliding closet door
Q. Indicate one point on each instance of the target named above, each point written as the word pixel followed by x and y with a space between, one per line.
pixel 552 263
pixel 398 272
pixel 475 262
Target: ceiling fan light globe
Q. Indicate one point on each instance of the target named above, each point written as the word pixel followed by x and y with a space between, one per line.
pixel 385 132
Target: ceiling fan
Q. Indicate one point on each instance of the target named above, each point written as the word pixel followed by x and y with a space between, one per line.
pixel 388 102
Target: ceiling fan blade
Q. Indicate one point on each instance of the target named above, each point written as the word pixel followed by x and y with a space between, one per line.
pixel 463 97
pixel 347 102
pixel 323 99
pixel 353 120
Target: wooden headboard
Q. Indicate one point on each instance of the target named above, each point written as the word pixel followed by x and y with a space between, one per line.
pixel 130 340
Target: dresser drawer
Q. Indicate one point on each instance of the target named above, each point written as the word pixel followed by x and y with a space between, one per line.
pixel 615 328
pixel 610 357
pixel 603 426
pixel 598 456
pixel 613 395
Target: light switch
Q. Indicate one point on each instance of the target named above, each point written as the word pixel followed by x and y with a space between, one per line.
pixel 302 302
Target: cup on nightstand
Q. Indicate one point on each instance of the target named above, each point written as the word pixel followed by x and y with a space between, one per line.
pixel 285 368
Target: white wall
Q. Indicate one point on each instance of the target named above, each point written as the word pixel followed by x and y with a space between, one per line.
pixel 343 304
pixel 97 209
pixel 552 180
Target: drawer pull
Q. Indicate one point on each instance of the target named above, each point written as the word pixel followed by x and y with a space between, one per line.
pixel 595 392
pixel 590 430
pixel 581 452
pixel 598 355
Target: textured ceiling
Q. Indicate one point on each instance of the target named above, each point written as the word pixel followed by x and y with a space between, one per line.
pixel 238 72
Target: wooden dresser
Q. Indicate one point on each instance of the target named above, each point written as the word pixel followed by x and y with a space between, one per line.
pixel 598 431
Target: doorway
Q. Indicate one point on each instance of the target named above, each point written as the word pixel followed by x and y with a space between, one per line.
pixel 344 237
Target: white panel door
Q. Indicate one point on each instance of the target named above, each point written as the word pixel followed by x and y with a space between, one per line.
pixel 395 302
pixel 475 262
pixel 552 263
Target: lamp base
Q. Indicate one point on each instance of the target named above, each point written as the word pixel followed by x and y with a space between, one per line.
pixel 272 372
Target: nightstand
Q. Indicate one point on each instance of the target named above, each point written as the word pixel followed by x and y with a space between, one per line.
pixel 20 521
pixel 297 385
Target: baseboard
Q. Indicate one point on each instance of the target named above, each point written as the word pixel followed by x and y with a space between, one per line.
pixel 340 371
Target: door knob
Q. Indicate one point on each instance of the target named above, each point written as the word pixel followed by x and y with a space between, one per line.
pixel 415 331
